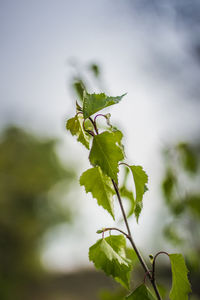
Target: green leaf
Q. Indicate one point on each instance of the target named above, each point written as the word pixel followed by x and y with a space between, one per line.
pixel 132 256
pixel 75 126
pixel 118 134
pixel 78 108
pixel 141 293
pixel 109 255
pixel 95 102
pixel 162 291
pixel 180 284
pixel 124 192
pixel 140 179
pixel 79 88
pixel 189 159
pixel 113 295
pixel 168 185
pixel 95 69
pixel 193 202
pixel 100 185
pixel 106 153
pixel 171 233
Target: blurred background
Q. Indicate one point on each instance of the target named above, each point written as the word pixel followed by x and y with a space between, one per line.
pixel 149 49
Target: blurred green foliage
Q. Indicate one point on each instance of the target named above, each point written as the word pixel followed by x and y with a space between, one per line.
pixel 86 79
pixel 113 295
pixel 79 87
pixel 181 190
pixel 95 69
pixel 29 168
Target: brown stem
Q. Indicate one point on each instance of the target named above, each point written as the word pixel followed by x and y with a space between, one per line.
pixel 79 112
pixel 125 164
pixel 129 236
pixel 113 228
pixel 146 269
pixel 145 276
pixel 88 131
pixel 153 283
pixel 99 115
pixel 94 125
pixel 154 263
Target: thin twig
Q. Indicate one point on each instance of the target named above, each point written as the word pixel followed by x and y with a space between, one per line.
pixel 154 263
pixel 145 275
pixel 129 236
pixel 99 115
pixel 86 130
pixel 94 125
pixel 79 112
pixel 114 228
pixel 146 269
pixel 122 163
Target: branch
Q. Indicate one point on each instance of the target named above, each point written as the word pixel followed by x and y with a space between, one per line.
pixel 129 236
pixel 86 130
pixel 94 125
pixel 154 263
pixel 114 228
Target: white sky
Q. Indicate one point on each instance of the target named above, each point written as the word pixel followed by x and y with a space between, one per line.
pixel 145 48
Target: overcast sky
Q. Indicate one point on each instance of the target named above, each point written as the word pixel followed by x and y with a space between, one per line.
pixel 149 49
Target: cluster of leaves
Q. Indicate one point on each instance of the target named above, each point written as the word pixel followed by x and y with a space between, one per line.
pixel 106 154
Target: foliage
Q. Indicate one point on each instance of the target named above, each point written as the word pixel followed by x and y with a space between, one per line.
pixel 108 254
pixel 141 293
pixel 180 284
pixel 100 185
pixel 106 154
pixel 181 191
pixel 92 103
pixel 29 168
pixel 116 295
pixel 140 179
pixel 76 128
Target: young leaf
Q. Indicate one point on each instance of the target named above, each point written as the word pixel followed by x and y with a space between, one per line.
pixel 106 153
pixel 79 88
pixel 75 126
pixel 109 255
pixel 140 179
pixel 118 134
pixel 180 284
pixel 141 293
pixel 95 102
pixel 78 108
pixel 100 185
pixel 95 69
